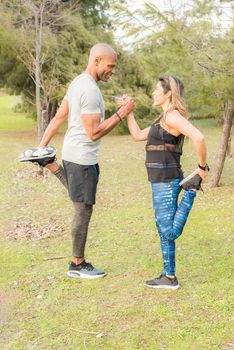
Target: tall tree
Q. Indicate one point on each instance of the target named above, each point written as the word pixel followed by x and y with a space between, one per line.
pixel 64 53
pixel 34 25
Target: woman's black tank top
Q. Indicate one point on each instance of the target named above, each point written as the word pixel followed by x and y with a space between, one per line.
pixel 163 151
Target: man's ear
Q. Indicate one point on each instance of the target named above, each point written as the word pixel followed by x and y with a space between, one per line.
pixel 97 60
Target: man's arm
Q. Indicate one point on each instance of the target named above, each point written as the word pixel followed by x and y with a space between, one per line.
pixel 59 118
pixel 96 129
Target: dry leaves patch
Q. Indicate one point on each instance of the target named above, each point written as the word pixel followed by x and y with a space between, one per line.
pixel 32 172
pixel 29 230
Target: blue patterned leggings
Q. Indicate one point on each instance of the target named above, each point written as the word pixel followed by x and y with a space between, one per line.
pixel 170 217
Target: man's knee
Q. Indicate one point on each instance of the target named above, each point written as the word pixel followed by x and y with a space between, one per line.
pixel 82 214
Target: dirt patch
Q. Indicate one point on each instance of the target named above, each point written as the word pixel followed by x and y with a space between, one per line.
pixel 18 133
pixel 26 229
pixel 35 172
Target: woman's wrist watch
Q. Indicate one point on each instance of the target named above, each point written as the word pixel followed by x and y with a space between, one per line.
pixel 205 168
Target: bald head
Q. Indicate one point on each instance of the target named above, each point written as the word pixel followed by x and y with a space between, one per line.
pixel 100 50
pixel 102 62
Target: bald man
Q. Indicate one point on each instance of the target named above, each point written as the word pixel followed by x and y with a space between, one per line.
pixel 83 107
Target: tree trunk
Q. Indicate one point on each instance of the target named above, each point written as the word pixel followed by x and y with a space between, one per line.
pixel 54 108
pixel 38 77
pixel 229 147
pixel 223 145
pixel 51 109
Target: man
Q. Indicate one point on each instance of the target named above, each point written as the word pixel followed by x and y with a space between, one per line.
pixel 83 106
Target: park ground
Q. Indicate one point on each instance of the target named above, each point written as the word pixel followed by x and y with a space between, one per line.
pixel 41 308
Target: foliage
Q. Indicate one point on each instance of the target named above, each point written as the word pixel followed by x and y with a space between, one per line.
pixel 65 50
pixel 184 41
pixel 181 40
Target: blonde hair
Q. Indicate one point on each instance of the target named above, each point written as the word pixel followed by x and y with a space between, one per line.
pixel 176 86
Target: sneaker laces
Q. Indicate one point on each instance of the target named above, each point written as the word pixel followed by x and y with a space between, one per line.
pixel 87 266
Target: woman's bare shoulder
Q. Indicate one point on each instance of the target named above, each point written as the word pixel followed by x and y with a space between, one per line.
pixel 173 117
pixel 173 114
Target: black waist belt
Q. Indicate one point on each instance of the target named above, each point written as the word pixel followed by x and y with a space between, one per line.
pixel 165 147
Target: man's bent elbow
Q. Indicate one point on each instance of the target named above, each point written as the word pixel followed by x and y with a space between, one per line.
pixel 94 137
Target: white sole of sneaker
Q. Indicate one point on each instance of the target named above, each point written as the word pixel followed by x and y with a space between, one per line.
pixel 74 274
pixel 188 178
pixel 163 287
pixel 26 159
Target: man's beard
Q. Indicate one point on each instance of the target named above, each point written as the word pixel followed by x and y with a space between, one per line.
pixel 103 77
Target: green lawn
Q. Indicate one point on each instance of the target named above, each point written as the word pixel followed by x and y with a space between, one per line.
pixel 43 309
pixel 9 120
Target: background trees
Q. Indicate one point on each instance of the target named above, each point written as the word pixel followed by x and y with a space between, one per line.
pixel 45 44
pixel 44 37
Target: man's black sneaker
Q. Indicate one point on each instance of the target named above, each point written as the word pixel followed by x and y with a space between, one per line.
pixel 40 155
pixel 192 182
pixel 84 270
pixel 163 282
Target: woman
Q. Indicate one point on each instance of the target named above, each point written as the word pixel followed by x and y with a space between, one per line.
pixel 163 150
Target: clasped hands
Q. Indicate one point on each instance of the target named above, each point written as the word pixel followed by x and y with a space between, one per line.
pixel 125 105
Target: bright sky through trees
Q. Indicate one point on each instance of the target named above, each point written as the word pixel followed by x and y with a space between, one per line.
pixel 220 22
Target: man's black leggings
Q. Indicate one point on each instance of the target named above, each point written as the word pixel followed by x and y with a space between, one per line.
pixel 80 224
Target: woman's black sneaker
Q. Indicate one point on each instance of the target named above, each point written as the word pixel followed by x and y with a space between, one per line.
pixel 163 282
pixel 192 182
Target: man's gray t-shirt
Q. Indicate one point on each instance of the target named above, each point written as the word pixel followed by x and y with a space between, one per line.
pixel 84 97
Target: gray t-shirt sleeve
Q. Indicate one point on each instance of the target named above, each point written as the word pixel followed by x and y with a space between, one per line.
pixel 68 94
pixel 90 102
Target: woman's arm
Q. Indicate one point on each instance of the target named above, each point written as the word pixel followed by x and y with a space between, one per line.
pixel 178 123
pixel 136 132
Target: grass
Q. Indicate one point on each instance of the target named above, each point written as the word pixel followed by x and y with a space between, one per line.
pixel 43 309
pixel 10 120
